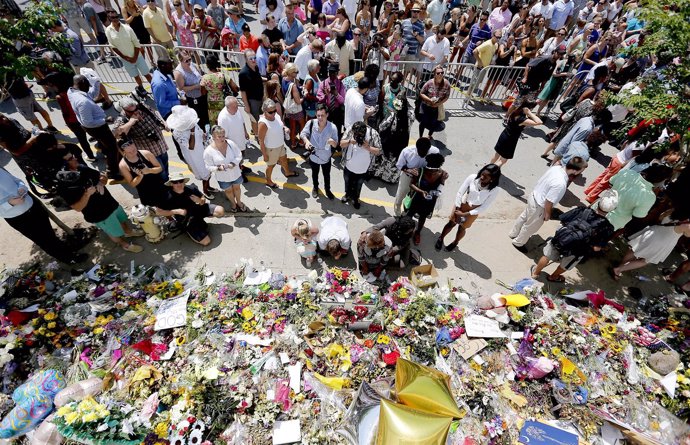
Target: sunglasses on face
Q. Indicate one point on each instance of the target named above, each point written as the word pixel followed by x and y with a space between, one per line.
pixel 561 33
pixel 126 144
pixel 270 111
pixel 187 60
pixel 440 73
pixel 251 58
pixel 177 181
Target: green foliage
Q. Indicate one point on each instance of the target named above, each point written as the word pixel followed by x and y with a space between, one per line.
pixel 665 97
pixel 19 36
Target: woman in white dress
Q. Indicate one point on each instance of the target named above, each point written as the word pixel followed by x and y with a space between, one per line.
pixel 183 121
pixel 653 244
pixel 224 157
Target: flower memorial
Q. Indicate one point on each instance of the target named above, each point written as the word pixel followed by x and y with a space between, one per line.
pixel 331 359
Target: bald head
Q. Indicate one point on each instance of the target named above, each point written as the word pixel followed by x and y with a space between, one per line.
pixel 81 83
pixel 231 104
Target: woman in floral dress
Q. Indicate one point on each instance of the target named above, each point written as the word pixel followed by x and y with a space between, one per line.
pixel 182 22
pixel 214 82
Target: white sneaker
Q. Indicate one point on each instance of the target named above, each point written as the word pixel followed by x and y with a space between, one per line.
pixel 134 248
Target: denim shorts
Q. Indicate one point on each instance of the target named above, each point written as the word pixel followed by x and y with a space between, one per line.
pixel 226 185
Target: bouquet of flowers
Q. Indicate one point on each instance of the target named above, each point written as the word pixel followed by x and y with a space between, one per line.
pixel 91 422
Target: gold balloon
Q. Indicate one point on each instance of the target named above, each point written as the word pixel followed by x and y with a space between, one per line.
pixel 425 389
pixel 399 424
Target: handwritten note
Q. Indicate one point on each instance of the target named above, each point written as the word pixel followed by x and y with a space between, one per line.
pixel 467 348
pixel 478 326
pixel 172 313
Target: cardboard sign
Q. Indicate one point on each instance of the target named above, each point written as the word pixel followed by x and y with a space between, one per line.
pixel 467 348
pixel 537 433
pixel 478 326
pixel 172 313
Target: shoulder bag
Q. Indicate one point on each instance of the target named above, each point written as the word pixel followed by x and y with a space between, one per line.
pixel 407 201
pixel 289 104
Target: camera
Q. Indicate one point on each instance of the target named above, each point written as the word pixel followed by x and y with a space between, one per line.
pixel 359 138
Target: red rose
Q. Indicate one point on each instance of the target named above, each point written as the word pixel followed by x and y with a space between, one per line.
pixel 391 358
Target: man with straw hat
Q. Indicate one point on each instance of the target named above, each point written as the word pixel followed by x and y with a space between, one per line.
pixel 188 207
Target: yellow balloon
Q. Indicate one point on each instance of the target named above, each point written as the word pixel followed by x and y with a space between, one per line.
pixel 425 389
pixel 517 300
pixel 399 424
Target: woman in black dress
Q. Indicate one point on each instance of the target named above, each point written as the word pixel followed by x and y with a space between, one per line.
pixel 141 170
pixel 395 135
pixel 520 118
pixel 425 190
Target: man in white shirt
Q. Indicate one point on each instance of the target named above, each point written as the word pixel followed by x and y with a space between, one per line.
pixel 544 9
pixel 500 17
pixel 313 51
pixel 435 50
pixel 561 15
pixel 232 122
pixel 333 237
pixel 360 144
pixel 548 192
pixel 411 159
pixel 355 110
pixel 435 11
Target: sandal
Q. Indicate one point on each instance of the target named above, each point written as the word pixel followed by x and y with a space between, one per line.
pixel 233 209
pixel 439 244
pixel 614 275
pixel 273 186
pixel 560 279
pixel 243 208
pixel 531 272
pixel 450 247
pixel 292 175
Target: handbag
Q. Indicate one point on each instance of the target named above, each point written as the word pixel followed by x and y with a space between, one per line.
pixel 407 201
pixel 289 104
pixel 228 90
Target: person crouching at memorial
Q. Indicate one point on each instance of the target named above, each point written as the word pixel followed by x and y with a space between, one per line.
pixel 374 251
pixel 334 237
pixel 84 190
pixel 399 229
pixel 187 205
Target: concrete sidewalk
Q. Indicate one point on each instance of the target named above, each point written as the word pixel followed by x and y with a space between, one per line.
pixel 483 256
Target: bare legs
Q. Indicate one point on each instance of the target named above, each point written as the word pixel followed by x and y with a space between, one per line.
pixel 283 161
pixel 629 262
pixel 498 160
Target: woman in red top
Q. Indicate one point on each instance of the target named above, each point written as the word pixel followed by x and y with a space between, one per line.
pixel 248 41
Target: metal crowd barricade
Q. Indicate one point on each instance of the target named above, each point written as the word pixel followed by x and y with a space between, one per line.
pixel 495 83
pixel 416 73
pixel 111 70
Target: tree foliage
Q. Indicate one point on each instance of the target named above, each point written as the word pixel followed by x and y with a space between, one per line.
pixel 23 38
pixel 665 97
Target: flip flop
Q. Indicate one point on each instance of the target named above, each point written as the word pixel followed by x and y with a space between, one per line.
pixel 560 279
pixel 292 175
pixel 273 186
pixel 244 208
pixel 531 271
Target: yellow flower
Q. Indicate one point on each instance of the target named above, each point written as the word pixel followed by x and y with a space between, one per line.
pixel 41 311
pixel 247 327
pixel 383 339
pixel 90 417
pixel 403 293
pixel 555 351
pixel 51 325
pixel 179 341
pixel 161 430
pixel 49 275
pixel 64 410
pixel 98 331
pixel 50 316
pixel 247 313
pixel 71 418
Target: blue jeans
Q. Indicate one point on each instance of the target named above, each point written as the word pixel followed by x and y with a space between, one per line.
pixel 163 161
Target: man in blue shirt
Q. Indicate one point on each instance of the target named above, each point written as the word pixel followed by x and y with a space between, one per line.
pixel 31 219
pixel 413 34
pixel 291 29
pixel 479 33
pixel 92 119
pixel 163 88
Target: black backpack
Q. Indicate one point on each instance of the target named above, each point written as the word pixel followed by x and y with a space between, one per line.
pixel 573 238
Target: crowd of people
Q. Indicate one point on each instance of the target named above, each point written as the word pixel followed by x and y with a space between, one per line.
pixel 326 79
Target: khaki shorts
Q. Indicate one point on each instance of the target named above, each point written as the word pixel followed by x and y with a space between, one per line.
pixel 274 154
pixel 27 106
pixel 566 262
pixel 468 220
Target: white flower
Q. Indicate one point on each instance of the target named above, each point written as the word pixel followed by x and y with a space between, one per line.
pixel 102 427
pixel 127 427
pixel 195 437
pixel 197 323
